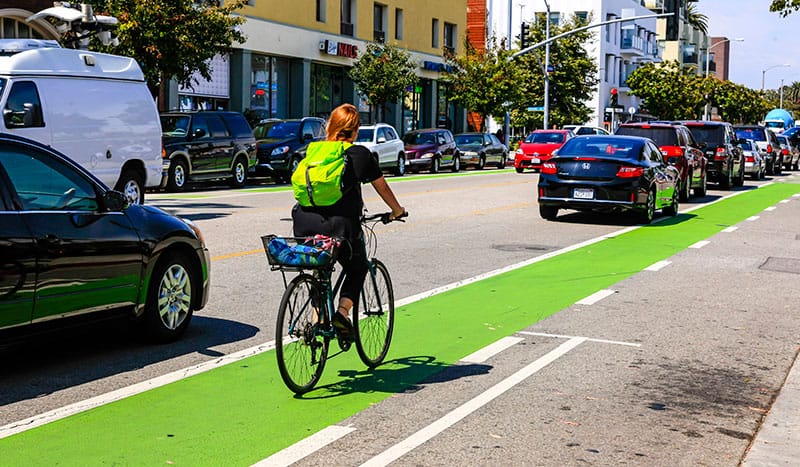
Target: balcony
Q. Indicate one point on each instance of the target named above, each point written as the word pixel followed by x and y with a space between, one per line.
pixel 689 59
pixel 631 45
pixel 346 29
pixel 379 36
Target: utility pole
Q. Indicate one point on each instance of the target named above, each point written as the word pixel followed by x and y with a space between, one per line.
pixel 546 122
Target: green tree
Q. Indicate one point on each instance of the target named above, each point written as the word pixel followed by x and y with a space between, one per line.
pixel 669 92
pixel 484 82
pixel 383 72
pixel 736 103
pixel 572 82
pixel 696 19
pixel 785 7
pixel 174 38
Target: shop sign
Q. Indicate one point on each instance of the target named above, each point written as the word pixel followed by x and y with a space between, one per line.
pixel 340 49
pixel 436 66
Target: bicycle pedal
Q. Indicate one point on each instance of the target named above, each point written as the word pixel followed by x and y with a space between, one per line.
pixel 344 344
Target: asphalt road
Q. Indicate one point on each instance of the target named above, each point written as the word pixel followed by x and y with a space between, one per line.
pixel 680 365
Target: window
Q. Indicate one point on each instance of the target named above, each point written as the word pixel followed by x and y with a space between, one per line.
pixel 450 37
pixel 379 21
pixel 44 184
pixel 398 24
pixel 24 106
pixel 582 16
pixel 321 10
pixel 555 18
pixel 347 15
pixel 435 33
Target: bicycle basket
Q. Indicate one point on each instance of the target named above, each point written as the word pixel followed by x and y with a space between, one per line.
pixel 314 252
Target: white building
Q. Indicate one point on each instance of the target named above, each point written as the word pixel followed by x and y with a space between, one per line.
pixel 617 48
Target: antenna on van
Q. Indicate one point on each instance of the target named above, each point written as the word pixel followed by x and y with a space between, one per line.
pixel 78 26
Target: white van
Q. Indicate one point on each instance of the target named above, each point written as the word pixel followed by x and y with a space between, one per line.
pixel 95 108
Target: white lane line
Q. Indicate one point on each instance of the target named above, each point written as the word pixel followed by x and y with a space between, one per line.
pixel 783 201
pixel 63 412
pixel 771 208
pixel 730 229
pixel 596 297
pixel 306 446
pixel 588 339
pixel 450 419
pixel 796 195
pixel 752 218
pixel 699 244
pixel 491 350
pixel 658 266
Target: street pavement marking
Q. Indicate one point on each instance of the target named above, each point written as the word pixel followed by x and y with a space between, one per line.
pixel 450 419
pixel 306 446
pixel 752 218
pixel 491 350
pixel 783 201
pixel 596 297
pixel 771 208
pixel 699 244
pixel 658 266
pixel 730 229
pixel 588 339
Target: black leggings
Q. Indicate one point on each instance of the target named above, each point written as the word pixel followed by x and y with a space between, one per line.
pixel 352 257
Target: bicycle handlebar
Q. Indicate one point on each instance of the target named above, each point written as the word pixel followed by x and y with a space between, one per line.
pixel 384 217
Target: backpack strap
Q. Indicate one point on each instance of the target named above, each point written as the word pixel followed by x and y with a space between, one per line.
pixel 309 188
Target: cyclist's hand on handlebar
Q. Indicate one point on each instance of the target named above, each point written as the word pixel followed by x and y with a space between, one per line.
pixel 395 216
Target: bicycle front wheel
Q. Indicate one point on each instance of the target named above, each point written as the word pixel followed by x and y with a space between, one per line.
pixel 373 318
pixel 300 347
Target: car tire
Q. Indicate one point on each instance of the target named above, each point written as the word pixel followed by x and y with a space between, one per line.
pixel 502 163
pixel 549 213
pixel 239 173
pixel 435 165
pixel 727 182
pixel 170 303
pixel 686 188
pixel 740 178
pixel 778 167
pixel 178 175
pixel 481 162
pixel 400 169
pixel 703 188
pixel 646 216
pixel 672 209
pixel 519 170
pixel 131 184
pixel 456 162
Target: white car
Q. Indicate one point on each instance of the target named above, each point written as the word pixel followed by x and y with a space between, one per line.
pixel 586 130
pixel 383 141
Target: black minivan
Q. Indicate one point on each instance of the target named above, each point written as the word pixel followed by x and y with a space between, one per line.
pixel 206 145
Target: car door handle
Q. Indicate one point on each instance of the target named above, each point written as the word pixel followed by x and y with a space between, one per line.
pixel 51 240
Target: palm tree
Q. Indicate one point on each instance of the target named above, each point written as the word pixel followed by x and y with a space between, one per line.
pixel 696 19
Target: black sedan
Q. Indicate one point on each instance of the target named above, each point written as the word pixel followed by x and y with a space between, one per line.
pixel 478 149
pixel 73 250
pixel 608 173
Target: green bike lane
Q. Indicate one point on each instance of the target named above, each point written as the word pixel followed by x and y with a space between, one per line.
pixel 241 413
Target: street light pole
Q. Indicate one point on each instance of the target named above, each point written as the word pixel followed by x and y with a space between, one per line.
pixel 764 72
pixel 708 61
pixel 781 104
pixel 547 68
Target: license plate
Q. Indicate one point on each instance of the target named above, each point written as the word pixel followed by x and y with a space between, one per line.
pixel 583 193
pixel 535 160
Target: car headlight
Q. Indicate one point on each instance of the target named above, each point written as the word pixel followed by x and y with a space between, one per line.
pixel 518 151
pixel 280 150
pixel 427 155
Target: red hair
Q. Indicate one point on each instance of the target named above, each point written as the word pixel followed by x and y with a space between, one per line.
pixel 343 123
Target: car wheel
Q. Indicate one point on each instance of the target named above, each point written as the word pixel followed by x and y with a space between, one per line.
pixel 702 189
pixel 795 165
pixel 727 182
pixel 686 188
pixel 549 213
pixel 740 178
pixel 519 170
pixel 502 162
pixel 239 173
pixel 672 209
pixel 178 175
pixel 400 169
pixel 456 163
pixel 778 166
pixel 169 306
pixel 131 184
pixel 435 165
pixel 481 162
pixel 649 208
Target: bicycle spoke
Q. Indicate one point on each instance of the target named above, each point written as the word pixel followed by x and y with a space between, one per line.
pixel 374 320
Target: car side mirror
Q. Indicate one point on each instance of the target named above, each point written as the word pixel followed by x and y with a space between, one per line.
pixel 115 200
pixel 198 133
pixel 307 137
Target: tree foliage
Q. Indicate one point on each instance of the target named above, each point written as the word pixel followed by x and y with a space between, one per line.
pixel 784 7
pixel 383 73
pixel 174 38
pixel 484 82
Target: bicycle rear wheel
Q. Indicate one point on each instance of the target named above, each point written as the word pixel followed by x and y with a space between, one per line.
pixel 300 348
pixel 373 317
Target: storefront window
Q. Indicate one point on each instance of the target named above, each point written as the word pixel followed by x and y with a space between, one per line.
pixel 326 89
pixel 444 111
pixel 269 86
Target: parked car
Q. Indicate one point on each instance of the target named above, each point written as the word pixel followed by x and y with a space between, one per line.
pixel 586 130
pixel 538 147
pixel 432 149
pixel 753 162
pixel 725 159
pixel 282 145
pixel 478 149
pixel 609 173
pixel 789 152
pixel 767 144
pixel 679 149
pixel 72 249
pixel 384 143
pixel 206 145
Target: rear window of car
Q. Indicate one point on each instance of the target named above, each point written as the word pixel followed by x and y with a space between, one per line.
pixel 746 146
pixel 545 138
pixel 711 135
pixel 618 148
pixel 238 125
pixel 662 136
pixel 756 134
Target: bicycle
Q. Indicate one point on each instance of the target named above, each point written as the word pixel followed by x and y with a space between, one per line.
pixel 304 328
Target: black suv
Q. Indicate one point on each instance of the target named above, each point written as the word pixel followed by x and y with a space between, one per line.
pixel 767 143
pixel 206 145
pixel 282 144
pixel 725 158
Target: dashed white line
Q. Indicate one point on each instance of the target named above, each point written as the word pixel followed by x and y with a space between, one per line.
pixel 771 208
pixel 491 350
pixel 596 297
pixel 699 244
pixel 752 218
pixel 306 446
pixel 450 419
pixel 658 266
pixel 730 229
pixel 783 201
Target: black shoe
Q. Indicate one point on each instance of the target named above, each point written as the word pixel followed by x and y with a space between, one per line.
pixel 344 330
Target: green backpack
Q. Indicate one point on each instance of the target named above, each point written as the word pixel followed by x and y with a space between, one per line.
pixel 317 181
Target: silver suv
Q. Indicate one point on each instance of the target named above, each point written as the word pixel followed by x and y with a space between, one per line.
pixel 383 141
pixel 767 143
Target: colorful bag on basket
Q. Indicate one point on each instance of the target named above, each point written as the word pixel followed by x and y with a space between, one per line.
pixel 317 251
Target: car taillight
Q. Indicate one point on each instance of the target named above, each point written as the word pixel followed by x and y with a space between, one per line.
pixel 769 148
pixel 749 159
pixel 549 168
pixel 671 151
pixel 630 172
pixel 785 152
pixel 720 154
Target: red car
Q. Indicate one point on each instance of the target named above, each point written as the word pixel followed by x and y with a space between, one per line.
pixel 538 147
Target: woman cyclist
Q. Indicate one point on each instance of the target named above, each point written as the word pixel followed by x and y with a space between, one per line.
pixel 343 218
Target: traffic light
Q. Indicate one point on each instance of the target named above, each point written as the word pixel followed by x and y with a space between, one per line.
pixel 674 7
pixel 614 100
pixel 525 36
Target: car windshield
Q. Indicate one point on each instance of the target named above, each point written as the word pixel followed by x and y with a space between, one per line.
pixel 419 138
pixel 552 138
pixel 464 140
pixel 174 125
pixel 662 136
pixel 756 134
pixel 778 125
pixel 277 130
pixel 618 148
pixel 365 135
pixel 790 132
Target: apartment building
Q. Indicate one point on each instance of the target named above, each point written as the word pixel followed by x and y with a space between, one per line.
pixel 692 47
